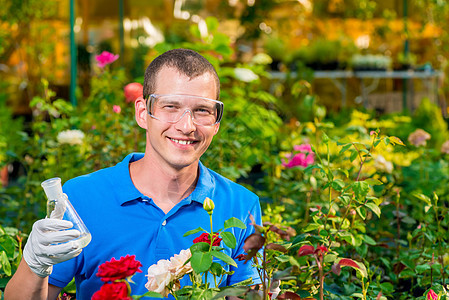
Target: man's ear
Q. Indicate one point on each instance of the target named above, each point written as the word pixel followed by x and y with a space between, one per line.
pixel 141 112
pixel 217 126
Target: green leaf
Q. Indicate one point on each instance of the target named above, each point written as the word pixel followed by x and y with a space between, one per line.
pixel 8 244
pixel 395 140
pixel 201 261
pixel 373 181
pixel 234 222
pixel 199 247
pixel 228 239
pixel 369 240
pixel 362 212
pixel 387 287
pixel 148 294
pixel 353 155
pixel 5 265
pixel 344 171
pixel 193 231
pixel 224 257
pixel 232 291
pixel 361 189
pixel 311 227
pixel 422 268
pixel 407 273
pixel 422 197
pixel 216 269
pixel 374 208
pixel 345 148
pixel 338 184
pixel 436 267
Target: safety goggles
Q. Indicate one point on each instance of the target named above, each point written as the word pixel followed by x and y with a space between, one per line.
pixel 172 108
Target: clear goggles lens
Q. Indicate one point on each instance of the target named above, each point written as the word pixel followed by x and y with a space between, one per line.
pixel 172 108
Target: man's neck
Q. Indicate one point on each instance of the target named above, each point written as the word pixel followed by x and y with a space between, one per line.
pixel 166 185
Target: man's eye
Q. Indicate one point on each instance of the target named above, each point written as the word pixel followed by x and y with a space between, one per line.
pixel 169 107
pixel 203 111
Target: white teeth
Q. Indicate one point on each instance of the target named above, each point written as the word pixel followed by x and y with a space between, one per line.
pixel 182 142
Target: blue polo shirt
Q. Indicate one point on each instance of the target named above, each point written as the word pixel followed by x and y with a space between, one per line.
pixel 123 221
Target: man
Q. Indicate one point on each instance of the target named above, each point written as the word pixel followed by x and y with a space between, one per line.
pixel 144 205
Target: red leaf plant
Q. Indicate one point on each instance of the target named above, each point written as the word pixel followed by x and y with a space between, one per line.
pixel 319 253
pixel 204 237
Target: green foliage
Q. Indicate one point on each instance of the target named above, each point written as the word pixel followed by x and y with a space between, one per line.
pixel 10 253
pixel 379 209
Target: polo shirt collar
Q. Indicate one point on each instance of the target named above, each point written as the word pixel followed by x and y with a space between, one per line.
pixel 126 191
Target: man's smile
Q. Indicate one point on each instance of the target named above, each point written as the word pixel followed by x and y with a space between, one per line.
pixel 182 142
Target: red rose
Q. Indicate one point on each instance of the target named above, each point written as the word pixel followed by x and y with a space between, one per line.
pixel 133 91
pixel 112 291
pixel 204 237
pixel 119 269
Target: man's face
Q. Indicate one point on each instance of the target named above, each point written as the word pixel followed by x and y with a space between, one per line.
pixel 180 144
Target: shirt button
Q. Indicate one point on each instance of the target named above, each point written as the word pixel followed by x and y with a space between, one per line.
pixel 165 222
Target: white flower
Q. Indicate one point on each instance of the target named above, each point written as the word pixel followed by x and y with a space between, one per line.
pixel 71 137
pixel 177 267
pixel 159 277
pixel 245 75
pixel 381 164
pixel 262 59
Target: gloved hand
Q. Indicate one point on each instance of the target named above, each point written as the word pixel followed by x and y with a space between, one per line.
pixel 50 243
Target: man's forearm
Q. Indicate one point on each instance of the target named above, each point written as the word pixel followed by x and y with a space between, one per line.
pixel 26 285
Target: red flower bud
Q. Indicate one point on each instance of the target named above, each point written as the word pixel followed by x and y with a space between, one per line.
pixel 204 237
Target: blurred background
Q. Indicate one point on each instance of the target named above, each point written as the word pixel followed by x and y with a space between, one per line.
pixel 313 91
pixel 324 35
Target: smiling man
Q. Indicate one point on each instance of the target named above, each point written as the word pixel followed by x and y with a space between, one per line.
pixel 145 204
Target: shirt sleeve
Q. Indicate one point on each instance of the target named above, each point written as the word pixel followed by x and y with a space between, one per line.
pixel 64 272
pixel 246 270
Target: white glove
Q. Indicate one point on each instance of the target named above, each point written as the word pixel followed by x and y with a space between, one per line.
pixel 49 243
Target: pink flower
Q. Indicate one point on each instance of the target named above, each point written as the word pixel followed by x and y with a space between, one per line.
pixel 303 148
pixel 133 91
pixel 431 295
pixel 304 158
pixel 117 109
pixel 105 58
pixel 419 137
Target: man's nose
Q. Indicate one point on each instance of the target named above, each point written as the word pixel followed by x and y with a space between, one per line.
pixel 186 123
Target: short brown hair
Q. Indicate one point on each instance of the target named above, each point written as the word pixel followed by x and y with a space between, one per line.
pixel 186 61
